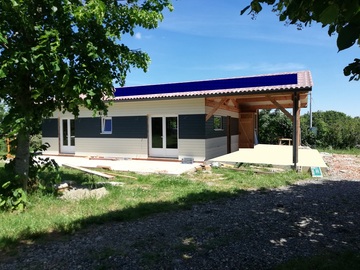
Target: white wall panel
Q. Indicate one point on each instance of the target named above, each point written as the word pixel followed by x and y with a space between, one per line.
pixel 146 107
pixel 216 147
pixel 135 148
pixel 54 145
pixel 159 107
pixel 234 143
pixel 194 148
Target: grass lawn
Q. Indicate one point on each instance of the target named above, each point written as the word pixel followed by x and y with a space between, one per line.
pixel 144 195
pixel 139 196
pixel 352 151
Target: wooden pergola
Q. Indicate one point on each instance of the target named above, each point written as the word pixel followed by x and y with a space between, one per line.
pixel 248 105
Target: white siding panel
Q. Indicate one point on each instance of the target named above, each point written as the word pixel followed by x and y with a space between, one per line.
pixel 54 145
pixel 135 148
pixel 148 107
pixel 159 107
pixel 234 143
pixel 194 148
pixel 216 147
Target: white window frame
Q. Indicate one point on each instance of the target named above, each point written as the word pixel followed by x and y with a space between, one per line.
pixel 103 125
pixel 221 123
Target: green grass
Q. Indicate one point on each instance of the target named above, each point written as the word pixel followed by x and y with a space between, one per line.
pixel 351 151
pixel 47 215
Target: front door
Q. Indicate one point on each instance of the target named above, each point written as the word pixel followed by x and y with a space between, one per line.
pixel 67 136
pixel 163 136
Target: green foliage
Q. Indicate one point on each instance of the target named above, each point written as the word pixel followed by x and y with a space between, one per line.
pixel 147 195
pixel 342 17
pixel 12 199
pixel 272 125
pixel 35 142
pixel 43 172
pixel 334 129
pixel 63 55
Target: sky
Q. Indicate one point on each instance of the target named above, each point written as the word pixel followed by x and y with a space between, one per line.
pixel 203 40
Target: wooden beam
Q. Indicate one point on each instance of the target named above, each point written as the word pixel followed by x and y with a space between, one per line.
pixel 212 103
pixel 215 108
pixel 89 171
pixel 234 101
pixel 262 98
pixel 260 107
pixel 279 106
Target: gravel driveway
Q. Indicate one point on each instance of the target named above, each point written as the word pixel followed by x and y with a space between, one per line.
pixel 255 230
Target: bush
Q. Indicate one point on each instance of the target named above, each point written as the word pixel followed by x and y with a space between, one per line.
pixel 35 142
pixel 12 198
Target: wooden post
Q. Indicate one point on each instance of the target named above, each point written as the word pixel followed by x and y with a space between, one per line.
pixel 295 129
pixel 298 124
pixel 228 134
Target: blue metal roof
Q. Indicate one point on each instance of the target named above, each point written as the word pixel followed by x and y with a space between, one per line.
pixel 232 83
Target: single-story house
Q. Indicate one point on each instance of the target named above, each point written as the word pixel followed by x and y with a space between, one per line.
pixel 198 119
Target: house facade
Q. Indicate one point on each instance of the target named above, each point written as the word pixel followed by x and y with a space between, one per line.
pixel 198 120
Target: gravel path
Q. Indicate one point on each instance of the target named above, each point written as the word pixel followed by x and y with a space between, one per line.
pixel 256 230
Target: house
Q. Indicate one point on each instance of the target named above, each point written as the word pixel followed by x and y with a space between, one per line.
pixel 199 119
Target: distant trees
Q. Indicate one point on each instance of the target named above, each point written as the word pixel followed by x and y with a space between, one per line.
pixel 333 129
pixel 272 125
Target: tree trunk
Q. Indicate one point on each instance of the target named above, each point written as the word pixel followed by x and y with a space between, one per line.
pixel 22 157
pixel 23 131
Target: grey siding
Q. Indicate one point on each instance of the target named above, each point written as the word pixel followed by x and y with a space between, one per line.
pixel 122 127
pixel 195 127
pixel 50 128
pixel 192 126
pixel 234 126
pixel 211 133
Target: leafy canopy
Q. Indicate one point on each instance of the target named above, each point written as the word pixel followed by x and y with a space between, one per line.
pixel 65 54
pixel 341 17
pixel 59 50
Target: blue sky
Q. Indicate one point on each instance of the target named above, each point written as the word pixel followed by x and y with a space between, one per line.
pixel 203 40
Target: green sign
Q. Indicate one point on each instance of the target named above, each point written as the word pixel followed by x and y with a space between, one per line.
pixel 316 172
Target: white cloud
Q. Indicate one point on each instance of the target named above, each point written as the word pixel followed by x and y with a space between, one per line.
pixel 278 67
pixel 256 67
pixel 227 67
pixel 138 35
pixel 234 67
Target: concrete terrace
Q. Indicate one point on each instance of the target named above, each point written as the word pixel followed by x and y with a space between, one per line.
pixel 277 155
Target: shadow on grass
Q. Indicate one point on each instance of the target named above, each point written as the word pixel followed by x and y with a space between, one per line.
pixel 141 210
pixel 258 230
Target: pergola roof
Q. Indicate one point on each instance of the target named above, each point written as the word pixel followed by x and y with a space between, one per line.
pixel 242 89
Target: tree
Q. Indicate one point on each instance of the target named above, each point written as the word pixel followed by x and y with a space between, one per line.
pixel 64 54
pixel 273 124
pixel 342 17
pixel 334 129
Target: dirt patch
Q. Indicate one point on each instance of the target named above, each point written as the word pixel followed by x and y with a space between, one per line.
pixel 346 167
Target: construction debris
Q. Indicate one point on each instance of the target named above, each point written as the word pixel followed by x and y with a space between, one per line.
pixel 107 176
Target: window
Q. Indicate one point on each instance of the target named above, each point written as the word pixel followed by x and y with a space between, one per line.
pixel 218 122
pixel 106 125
